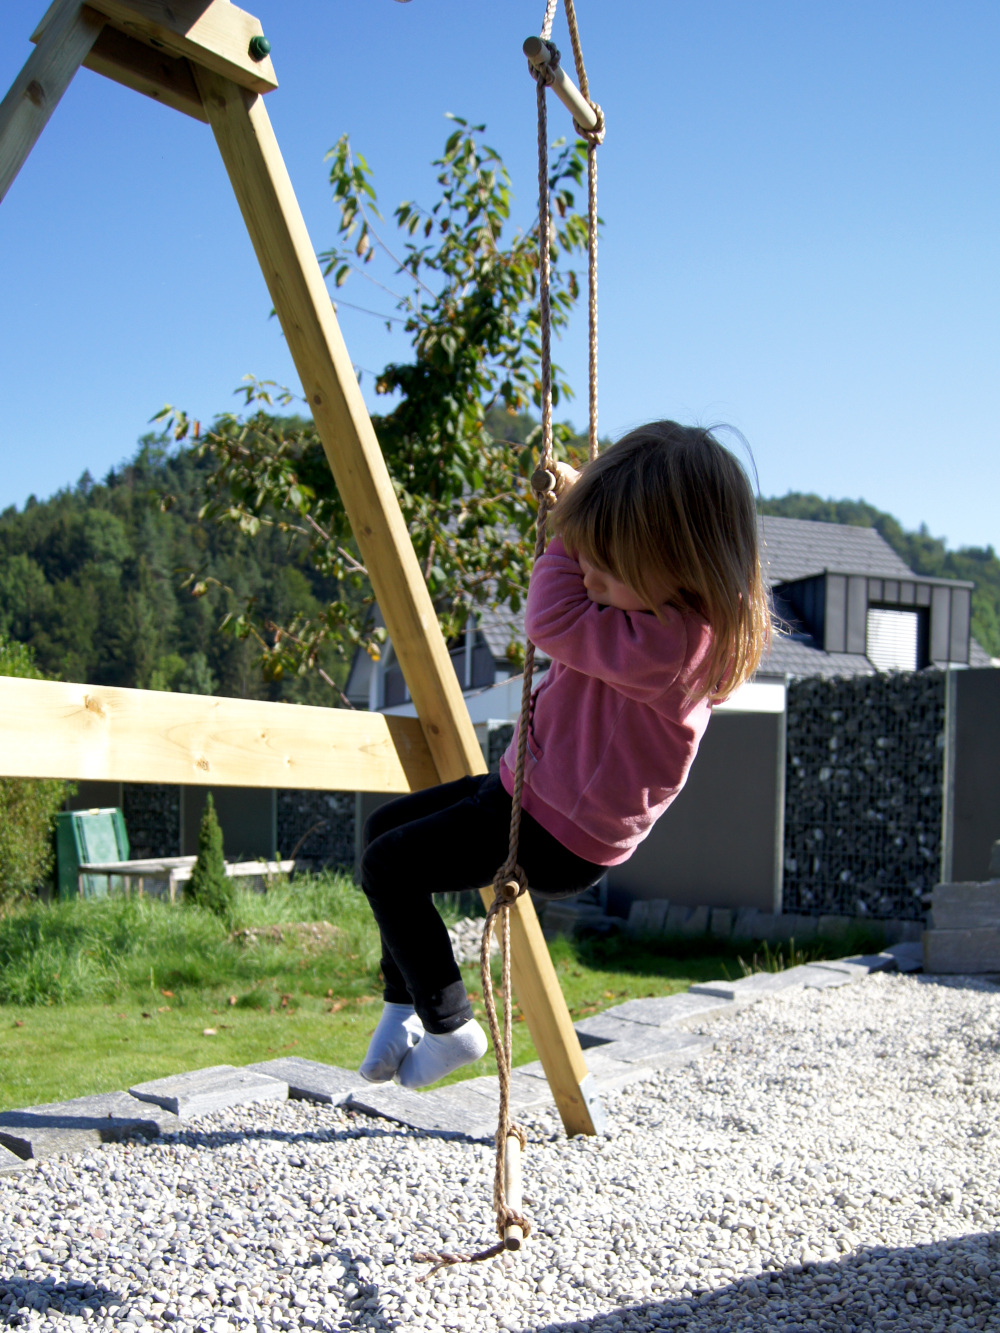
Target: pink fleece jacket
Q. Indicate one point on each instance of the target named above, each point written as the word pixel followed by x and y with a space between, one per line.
pixel 613 733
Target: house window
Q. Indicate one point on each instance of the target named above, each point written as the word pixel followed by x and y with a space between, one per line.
pixel 893 639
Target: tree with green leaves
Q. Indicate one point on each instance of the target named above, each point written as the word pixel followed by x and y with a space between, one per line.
pixel 28 807
pixel 209 886
pixel 463 287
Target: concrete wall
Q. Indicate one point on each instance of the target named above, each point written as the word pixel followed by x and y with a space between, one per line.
pixel 247 816
pixel 720 843
pixel 972 799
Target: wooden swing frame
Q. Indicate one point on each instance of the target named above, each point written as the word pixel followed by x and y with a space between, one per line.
pixel 200 57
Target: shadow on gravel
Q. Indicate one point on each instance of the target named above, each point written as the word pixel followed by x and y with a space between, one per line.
pixel 366 1129
pixel 33 1297
pixel 952 1284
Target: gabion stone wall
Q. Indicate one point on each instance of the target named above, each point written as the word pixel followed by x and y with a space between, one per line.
pixel 864 790
pixel 320 824
pixel 152 813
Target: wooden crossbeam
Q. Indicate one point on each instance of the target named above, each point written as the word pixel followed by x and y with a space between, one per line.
pixel 53 729
pixel 70 33
pixel 214 33
pixel 156 74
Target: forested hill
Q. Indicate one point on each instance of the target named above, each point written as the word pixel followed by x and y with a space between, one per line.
pixel 923 553
pixel 92 579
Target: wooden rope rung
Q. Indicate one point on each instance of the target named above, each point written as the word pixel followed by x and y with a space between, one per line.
pixel 540 58
pixel 513 1232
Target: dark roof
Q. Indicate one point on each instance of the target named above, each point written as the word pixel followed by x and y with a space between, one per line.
pixel 795 548
pixel 802 657
pixel 499 628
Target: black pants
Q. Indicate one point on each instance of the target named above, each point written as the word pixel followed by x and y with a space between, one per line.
pixel 448 839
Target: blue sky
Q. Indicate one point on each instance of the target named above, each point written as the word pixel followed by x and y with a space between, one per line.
pixel 801 238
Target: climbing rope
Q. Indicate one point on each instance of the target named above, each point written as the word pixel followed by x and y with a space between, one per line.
pixel 510 882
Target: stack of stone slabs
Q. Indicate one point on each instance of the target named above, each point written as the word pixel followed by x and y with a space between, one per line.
pixel 964 928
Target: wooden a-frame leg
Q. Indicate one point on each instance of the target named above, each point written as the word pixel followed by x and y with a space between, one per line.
pixel 36 91
pixel 264 192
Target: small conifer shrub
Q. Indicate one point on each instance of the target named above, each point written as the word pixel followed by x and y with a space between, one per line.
pixel 209 885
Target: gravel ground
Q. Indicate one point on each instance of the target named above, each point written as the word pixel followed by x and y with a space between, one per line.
pixel 832 1163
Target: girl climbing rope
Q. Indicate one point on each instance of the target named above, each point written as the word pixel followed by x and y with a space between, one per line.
pixel 649 604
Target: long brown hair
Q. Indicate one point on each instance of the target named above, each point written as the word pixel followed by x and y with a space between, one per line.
pixel 669 502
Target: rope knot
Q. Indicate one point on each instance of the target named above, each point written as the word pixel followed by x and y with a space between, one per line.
pixel 509 885
pixel 512 1218
pixel 546 72
pixel 543 482
pixel 594 137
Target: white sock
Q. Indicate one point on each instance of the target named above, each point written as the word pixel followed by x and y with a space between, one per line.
pixel 440 1053
pixel 398 1031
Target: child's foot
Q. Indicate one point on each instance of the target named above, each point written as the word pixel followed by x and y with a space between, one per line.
pixel 399 1029
pixel 440 1053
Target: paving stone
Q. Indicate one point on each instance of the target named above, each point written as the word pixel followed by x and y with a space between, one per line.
pixel 533 1069
pixel 752 924
pixel 202 1090
pixel 721 923
pixel 872 962
pixel 610 1073
pixel 962 951
pixel 647 917
pixel 798 927
pixel 526 1090
pixel 723 991
pixel 686 921
pixel 665 1011
pixel 10 1163
pixel 444 1111
pixel 604 1027
pixel 966 906
pixel 819 976
pixel 310 1080
pixel 655 1047
pixel 810 975
pixel 56 1127
pixel 767 983
pixel 908 955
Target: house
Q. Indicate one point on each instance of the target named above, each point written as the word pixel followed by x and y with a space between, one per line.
pixel 852 606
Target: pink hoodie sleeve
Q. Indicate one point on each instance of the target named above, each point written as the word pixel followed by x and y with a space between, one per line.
pixel 636 653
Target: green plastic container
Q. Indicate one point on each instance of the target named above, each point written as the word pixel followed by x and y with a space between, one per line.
pixel 85 837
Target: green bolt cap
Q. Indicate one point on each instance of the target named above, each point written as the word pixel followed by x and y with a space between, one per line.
pixel 260 48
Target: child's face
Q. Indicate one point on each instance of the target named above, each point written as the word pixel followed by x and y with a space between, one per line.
pixel 604 589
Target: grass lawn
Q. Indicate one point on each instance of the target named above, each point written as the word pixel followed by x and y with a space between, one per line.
pixel 98 995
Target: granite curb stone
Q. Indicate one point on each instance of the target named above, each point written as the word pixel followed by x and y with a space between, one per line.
pixel 966 906
pixel 962 951
pixel 10 1163
pixel 526 1090
pixel 659 1050
pixel 908 955
pixel 57 1127
pixel 202 1090
pixel 664 1010
pixel 310 1080
pixel 444 1111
